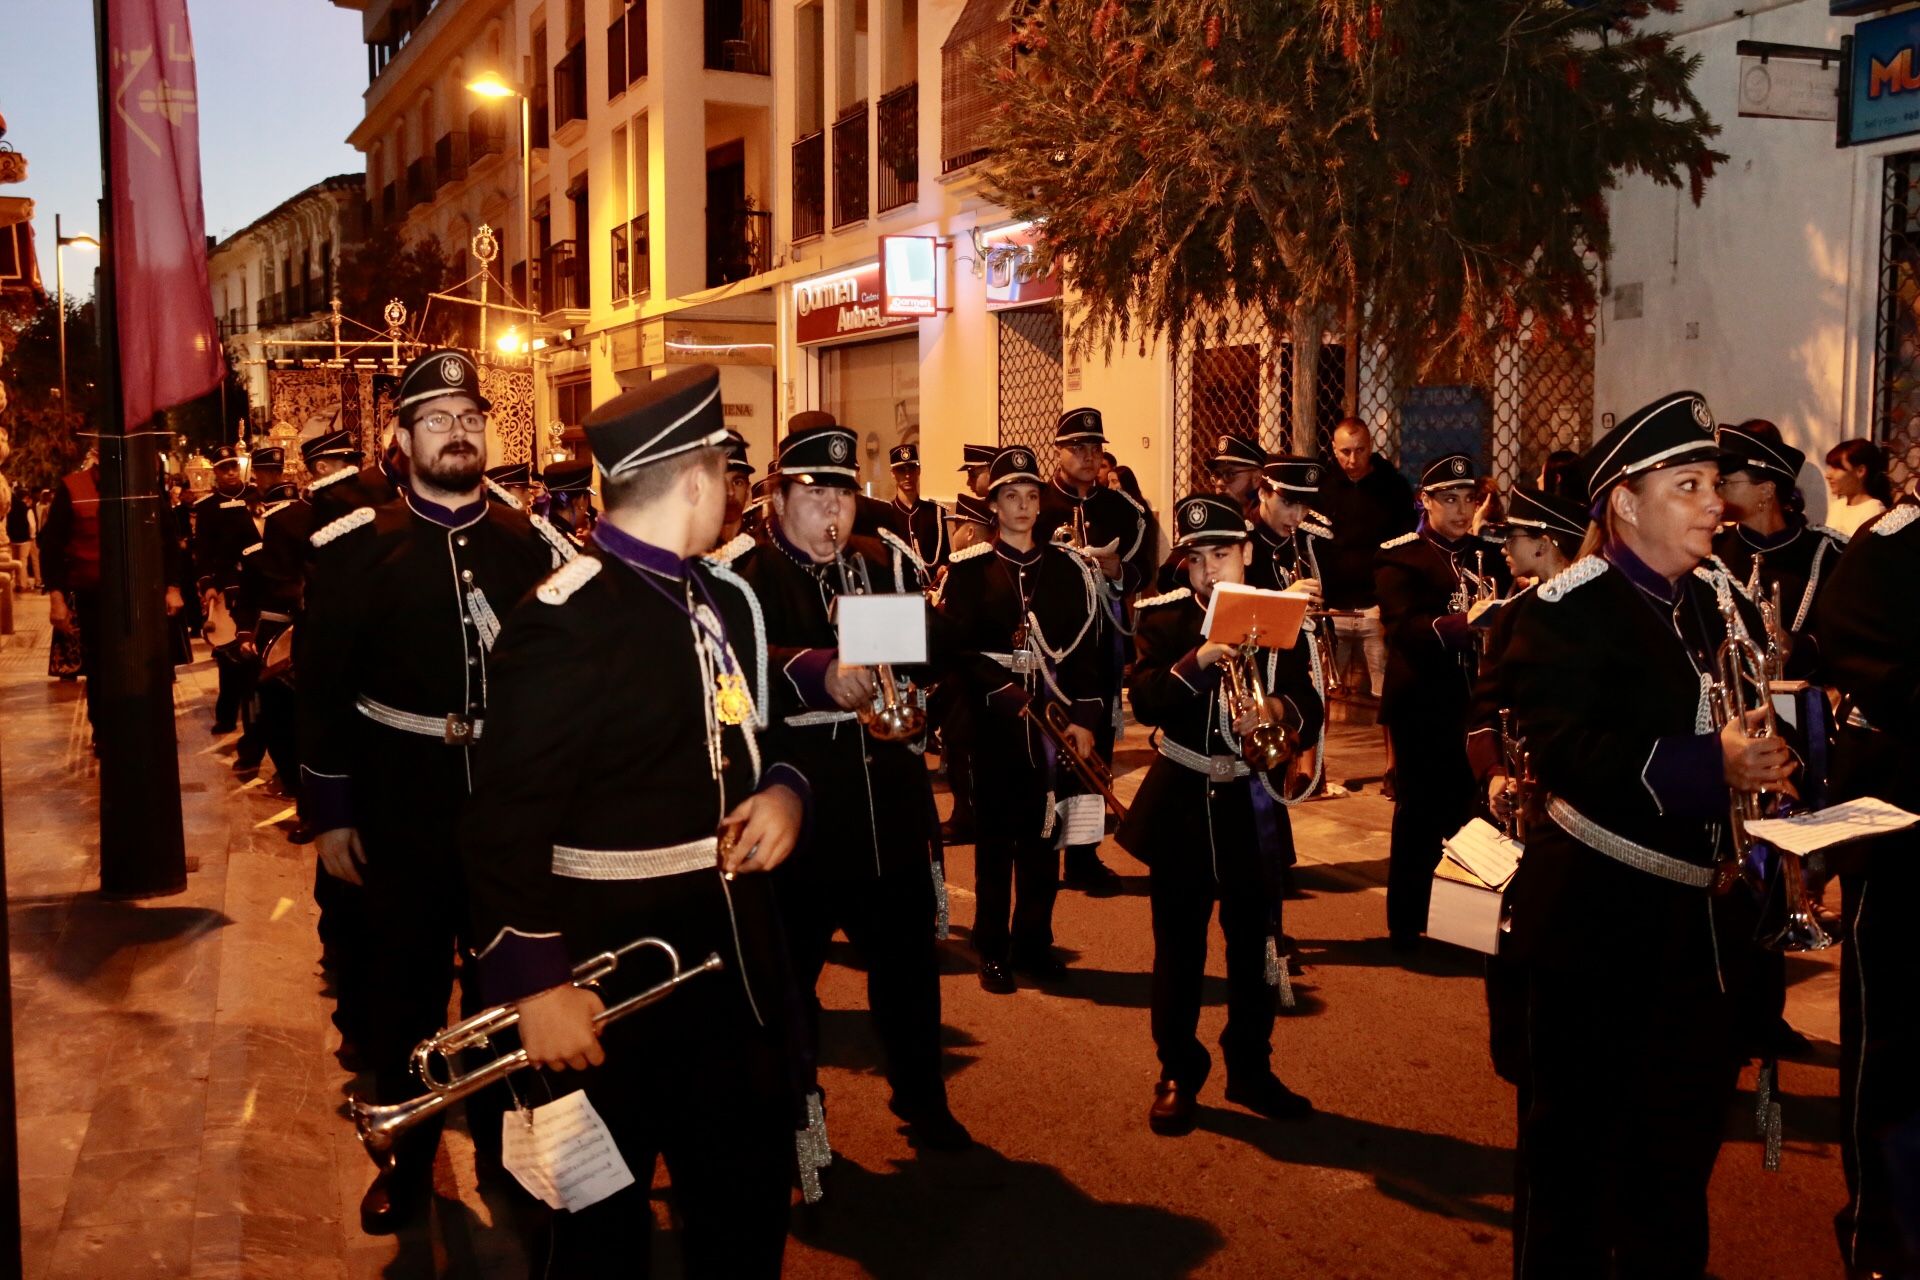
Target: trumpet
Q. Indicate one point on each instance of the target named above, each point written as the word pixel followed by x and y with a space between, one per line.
pixel 380 1127
pixel 1269 743
pixel 894 715
pixel 1091 769
pixel 1473 587
pixel 1519 762
pixel 1744 674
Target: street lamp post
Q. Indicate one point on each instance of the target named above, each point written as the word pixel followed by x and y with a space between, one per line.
pixel 493 85
pixel 61 241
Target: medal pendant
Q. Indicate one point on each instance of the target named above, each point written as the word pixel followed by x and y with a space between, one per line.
pixel 731 704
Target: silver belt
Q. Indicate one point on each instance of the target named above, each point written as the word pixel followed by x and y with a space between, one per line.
pixel 1857 721
pixel 1625 851
pixel 636 864
pixel 1020 662
pixel 454 730
pixel 268 615
pixel 804 719
pixel 1219 768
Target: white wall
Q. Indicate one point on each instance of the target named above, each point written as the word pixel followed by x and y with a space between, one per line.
pixel 1775 267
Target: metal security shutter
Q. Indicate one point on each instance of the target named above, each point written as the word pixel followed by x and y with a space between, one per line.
pixel 1030 377
pixel 1896 365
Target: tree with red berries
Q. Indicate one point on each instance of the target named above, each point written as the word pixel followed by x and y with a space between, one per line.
pixel 1432 169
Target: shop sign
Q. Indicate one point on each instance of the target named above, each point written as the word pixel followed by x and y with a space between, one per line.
pixel 1883 80
pixel 909 276
pixel 846 304
pixel 1011 281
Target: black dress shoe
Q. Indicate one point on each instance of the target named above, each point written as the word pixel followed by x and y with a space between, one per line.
pixel 931 1127
pixel 1172 1113
pixel 996 979
pixel 1047 968
pixel 1092 877
pixel 394 1200
pixel 302 834
pixel 1265 1095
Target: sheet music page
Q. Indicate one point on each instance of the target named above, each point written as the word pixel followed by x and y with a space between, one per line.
pixel 1484 850
pixel 562 1153
pixel 1852 820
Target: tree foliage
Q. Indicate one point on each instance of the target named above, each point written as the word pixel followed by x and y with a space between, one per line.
pixel 1439 165
pixel 385 266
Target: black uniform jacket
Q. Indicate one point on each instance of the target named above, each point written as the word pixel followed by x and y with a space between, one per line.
pixel 1430 650
pixel 1605 674
pixel 598 740
pixel 273 571
pixel 1797 560
pixel 335 495
pixel 1869 619
pixel 404 605
pixel 1174 695
pixel 1105 515
pixel 1279 562
pixel 223 529
pixel 926 530
pixel 982 602
pixel 870 797
pixel 1493 691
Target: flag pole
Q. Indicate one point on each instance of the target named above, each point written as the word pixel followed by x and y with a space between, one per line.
pixel 142 847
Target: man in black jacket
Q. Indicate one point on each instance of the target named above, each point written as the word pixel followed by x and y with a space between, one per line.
pixel 1367 502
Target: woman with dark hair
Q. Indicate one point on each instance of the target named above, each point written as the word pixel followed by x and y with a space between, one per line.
pixel 1770 549
pixel 1857 478
pixel 1627 839
pixel 1555 471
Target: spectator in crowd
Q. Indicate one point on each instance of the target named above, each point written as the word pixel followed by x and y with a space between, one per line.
pixel 1554 472
pixel 1367 502
pixel 22 530
pixel 1857 479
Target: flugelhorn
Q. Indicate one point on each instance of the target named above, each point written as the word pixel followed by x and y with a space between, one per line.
pixel 380 1126
pixel 1092 770
pixel 894 715
pixel 1270 743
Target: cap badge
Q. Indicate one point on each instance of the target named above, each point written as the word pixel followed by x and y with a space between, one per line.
pixel 452 371
pixel 1021 461
pixel 1459 466
pixel 1313 475
pixel 1196 514
pixel 837 449
pixel 1702 414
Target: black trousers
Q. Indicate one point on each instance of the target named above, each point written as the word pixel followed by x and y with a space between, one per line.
pixel 1015 879
pixel 889 921
pixel 345 949
pixel 86 612
pixel 694 1081
pixel 1433 798
pixel 1182 891
pixel 230 704
pixel 1630 1086
pixel 277 730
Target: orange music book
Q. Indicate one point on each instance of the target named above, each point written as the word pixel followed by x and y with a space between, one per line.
pixel 1238 614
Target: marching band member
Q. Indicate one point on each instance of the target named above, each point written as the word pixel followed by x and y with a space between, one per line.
pixel 629 720
pixel 1026 613
pixel 1427 580
pixel 1869 621
pixel 1077 509
pixel 1770 547
pixel 402 611
pixel 970 524
pixel 868 867
pixel 976 460
pixel 1611 673
pixel 1201 785
pixel 1235 467
pixel 223 528
pixel 512 484
pixel 739 486
pixel 569 488
pixel 926 523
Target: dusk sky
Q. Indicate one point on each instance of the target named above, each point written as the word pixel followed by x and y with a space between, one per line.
pixel 280 87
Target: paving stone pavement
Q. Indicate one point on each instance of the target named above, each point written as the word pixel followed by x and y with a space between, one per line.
pixel 179 1107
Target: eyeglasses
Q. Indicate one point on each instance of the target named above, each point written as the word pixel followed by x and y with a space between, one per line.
pixel 473 422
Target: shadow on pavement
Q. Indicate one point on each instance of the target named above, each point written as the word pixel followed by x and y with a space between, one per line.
pixel 981 1214
pixel 100 930
pixel 1432 1172
pixel 1433 959
pixel 1340 877
pixel 849 1042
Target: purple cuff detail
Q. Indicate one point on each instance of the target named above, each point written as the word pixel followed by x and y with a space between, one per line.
pixel 1192 674
pixel 517 966
pixel 782 774
pixel 327 800
pixel 1088 713
pixel 1009 700
pixel 1687 776
pixel 807 672
pixel 1455 631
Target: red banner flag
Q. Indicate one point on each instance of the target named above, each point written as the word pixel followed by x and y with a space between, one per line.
pixel 169 344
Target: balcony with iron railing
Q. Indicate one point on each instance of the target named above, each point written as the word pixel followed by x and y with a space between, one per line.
pixel 563 279
pixel 450 157
pixel 850 166
pixel 810 185
pixel 486 134
pixel 419 182
pixel 899 147
pixel 736 35
pixel 632 261
pixel 739 244
pixel 570 87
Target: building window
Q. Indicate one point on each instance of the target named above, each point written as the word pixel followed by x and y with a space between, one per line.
pixel 979 39
pixel 572 399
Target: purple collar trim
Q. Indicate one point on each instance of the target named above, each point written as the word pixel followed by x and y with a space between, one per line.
pixel 630 550
pixel 1639 574
pixel 449 517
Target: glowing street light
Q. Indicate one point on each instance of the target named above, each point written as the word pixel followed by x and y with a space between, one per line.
pixel 495 87
pixel 60 242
